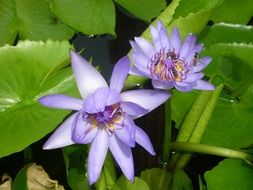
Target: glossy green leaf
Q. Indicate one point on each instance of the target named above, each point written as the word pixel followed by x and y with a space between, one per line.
pixel 7 22
pixel 233 33
pixel 230 174
pixel 149 8
pixel 124 184
pixel 87 16
pixel 31 20
pixel 75 160
pixel 20 181
pixel 29 71
pixel 233 11
pixel 181 181
pixel 156 178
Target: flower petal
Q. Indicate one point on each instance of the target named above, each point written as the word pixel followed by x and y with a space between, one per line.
pixel 164 37
pixel 193 77
pixel 162 85
pixel 175 40
pixel 201 64
pixel 135 71
pixel 203 85
pixel 88 79
pixel 187 45
pixel 113 97
pixel 141 63
pixel 123 156
pixel 126 131
pixel 155 38
pixel 119 73
pixel 142 139
pixel 61 101
pixel 148 99
pixel 62 135
pixel 135 47
pixel 183 86
pixel 133 109
pixel 146 47
pixel 97 155
pixel 82 131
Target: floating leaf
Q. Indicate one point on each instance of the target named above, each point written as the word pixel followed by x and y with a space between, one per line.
pixel 87 16
pixel 149 8
pixel 29 71
pixel 124 184
pixel 230 174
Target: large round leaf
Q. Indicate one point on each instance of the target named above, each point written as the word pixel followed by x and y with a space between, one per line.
pixel 29 71
pixel 87 16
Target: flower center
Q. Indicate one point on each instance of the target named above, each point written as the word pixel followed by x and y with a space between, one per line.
pixel 166 65
pixel 106 118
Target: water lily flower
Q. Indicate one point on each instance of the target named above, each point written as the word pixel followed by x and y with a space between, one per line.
pixel 168 62
pixel 104 116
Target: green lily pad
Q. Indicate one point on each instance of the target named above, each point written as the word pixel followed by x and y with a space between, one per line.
pixel 29 71
pixel 124 184
pixel 230 174
pixel 149 8
pixel 87 16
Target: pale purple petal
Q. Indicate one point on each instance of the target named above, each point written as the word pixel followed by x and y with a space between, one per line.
pixel 97 155
pixel 184 87
pixel 201 64
pixel 142 139
pixel 62 135
pixel 148 99
pixel 126 131
pixel 203 85
pixel 83 132
pixel 164 37
pixel 61 101
pixel 135 47
pixel 162 85
pixel 113 98
pixel 175 40
pixel 141 63
pixel 123 156
pixel 88 79
pixel 155 38
pixel 133 109
pixel 193 77
pixel 119 73
pixel 146 47
pixel 135 71
pixel 88 104
pixel 186 47
pixel 100 98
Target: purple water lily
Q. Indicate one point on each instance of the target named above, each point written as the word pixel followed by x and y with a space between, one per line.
pixel 169 62
pixel 104 116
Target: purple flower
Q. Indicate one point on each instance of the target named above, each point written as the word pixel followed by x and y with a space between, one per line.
pixel 104 116
pixel 169 62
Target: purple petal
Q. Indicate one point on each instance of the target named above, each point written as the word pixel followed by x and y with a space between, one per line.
pixel 148 99
pixel 141 63
pixel 193 77
pixel 133 109
pixel 62 135
pixel 203 85
pixel 83 132
pixel 97 155
pixel 162 85
pixel 119 73
pixel 88 79
pixel 183 86
pixel 113 98
pixel 201 64
pixel 187 45
pixel 126 131
pixel 135 71
pixel 142 139
pixel 155 38
pixel 123 156
pixel 164 37
pixel 175 40
pixel 146 47
pixel 135 47
pixel 100 98
pixel 61 101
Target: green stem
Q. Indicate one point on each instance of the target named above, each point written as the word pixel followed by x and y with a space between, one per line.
pixel 167 134
pixel 213 150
